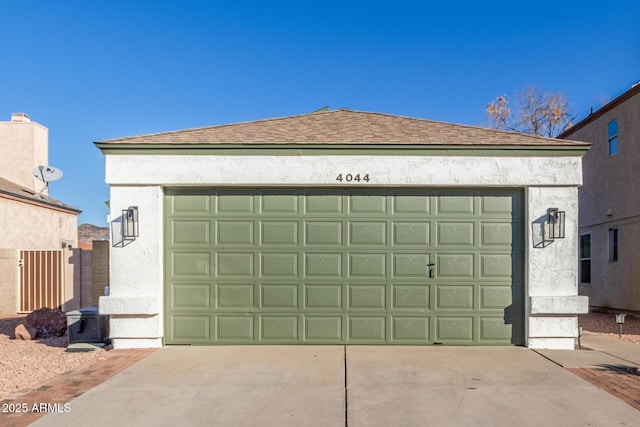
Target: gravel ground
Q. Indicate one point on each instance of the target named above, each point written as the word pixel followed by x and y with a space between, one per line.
pixel 605 324
pixel 25 364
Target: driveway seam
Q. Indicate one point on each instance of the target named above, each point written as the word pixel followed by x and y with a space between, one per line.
pixel 346 391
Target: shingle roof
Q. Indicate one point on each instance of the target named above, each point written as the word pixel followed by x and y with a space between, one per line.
pixel 12 189
pixel 343 127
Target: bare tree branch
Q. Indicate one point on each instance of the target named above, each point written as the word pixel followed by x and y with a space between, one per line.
pixel 536 112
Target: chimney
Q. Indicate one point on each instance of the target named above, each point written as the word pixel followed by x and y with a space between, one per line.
pixel 20 118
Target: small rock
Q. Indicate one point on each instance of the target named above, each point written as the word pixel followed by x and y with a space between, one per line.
pixel 25 332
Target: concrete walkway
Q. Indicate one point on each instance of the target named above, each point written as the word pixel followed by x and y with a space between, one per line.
pixel 598 351
pixel 354 386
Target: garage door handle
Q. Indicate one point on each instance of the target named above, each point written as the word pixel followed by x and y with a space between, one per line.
pixel 431 273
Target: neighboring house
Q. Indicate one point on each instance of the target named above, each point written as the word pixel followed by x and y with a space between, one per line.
pixel 36 231
pixel 610 203
pixel 343 227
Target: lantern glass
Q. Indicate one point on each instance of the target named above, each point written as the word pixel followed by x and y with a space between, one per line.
pixel 130 222
pixel 556 223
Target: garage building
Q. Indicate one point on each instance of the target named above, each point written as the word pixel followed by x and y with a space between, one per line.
pixel 343 227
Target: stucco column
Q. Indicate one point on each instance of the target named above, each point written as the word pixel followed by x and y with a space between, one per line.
pixel 552 270
pixel 134 305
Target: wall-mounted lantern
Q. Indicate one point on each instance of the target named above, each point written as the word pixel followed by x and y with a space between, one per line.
pixel 556 223
pixel 130 223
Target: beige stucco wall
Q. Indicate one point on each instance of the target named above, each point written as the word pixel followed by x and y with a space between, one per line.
pixel 100 270
pixel 27 226
pixel 610 198
pixel 92 273
pixel 23 146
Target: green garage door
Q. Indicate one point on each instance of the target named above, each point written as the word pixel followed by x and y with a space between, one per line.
pixel 343 266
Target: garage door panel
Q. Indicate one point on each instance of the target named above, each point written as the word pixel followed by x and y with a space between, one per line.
pixel 323 204
pixel 234 264
pixel 495 297
pixel 454 329
pixel 457 297
pixel 191 264
pixel 190 204
pixel 235 296
pixel 455 234
pixel 455 204
pixel 411 297
pixel 237 328
pixel 411 233
pixel 367 297
pixel 410 265
pixel 368 204
pixel 368 233
pixel 234 203
pixel 323 296
pixel 234 233
pixel 279 296
pixel 411 329
pixel 367 265
pixel 414 204
pixel 323 328
pixel 279 203
pixel 190 233
pixel 278 328
pixel 494 329
pixel 279 265
pixel 323 233
pixel 190 296
pixel 503 204
pixel 344 266
pixel 323 265
pixel 496 265
pixel 194 329
pixel 499 234
pixel 455 265
pixel 368 328
pixel 279 233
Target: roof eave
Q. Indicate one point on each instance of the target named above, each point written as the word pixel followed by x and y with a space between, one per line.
pixel 635 89
pixel 40 202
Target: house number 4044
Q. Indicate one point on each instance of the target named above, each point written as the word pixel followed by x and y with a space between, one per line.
pixel 348 177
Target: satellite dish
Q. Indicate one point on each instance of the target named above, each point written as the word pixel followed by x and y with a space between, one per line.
pixel 47 174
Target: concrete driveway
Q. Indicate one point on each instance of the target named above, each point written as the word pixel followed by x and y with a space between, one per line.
pixel 338 386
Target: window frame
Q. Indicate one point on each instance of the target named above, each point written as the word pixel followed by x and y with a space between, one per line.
pixel 612 137
pixel 584 260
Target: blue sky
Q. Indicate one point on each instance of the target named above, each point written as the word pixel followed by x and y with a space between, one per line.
pixel 91 70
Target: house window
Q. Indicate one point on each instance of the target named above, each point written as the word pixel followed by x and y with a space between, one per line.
pixel 613 245
pixel 585 258
pixel 612 137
